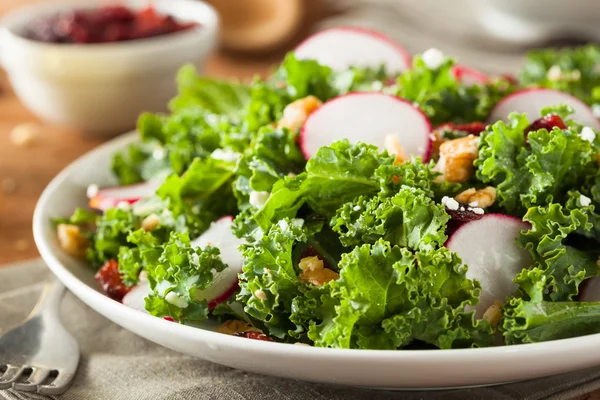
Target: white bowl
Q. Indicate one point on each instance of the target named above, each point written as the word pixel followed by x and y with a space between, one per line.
pixel 535 21
pixel 102 88
pixel 370 368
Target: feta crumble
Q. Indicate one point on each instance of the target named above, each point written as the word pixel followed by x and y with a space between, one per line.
pixel 478 211
pixel 433 58
pixel 356 208
pixel 450 203
pixel 588 134
pixel 258 199
pixel 92 190
pixel 176 300
pixel 225 155
pixel 158 153
pixel 584 201
pixel 554 73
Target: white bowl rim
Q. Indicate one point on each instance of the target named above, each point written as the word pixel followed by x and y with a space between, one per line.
pixel 519 352
pixel 207 18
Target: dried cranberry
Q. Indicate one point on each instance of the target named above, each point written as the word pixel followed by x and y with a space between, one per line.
pixel 472 128
pixel 254 336
pixel 109 278
pixel 463 214
pixel 170 319
pixel 546 122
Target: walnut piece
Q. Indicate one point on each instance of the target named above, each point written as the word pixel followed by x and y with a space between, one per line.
pixel 392 145
pixel 234 326
pixel 296 113
pixel 315 273
pixel 150 222
pixel 482 198
pixel 71 240
pixel 456 158
pixel 494 313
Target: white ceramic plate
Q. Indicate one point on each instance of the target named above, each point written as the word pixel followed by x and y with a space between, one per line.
pixel 369 368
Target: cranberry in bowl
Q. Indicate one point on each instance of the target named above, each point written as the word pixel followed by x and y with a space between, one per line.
pixel 95 66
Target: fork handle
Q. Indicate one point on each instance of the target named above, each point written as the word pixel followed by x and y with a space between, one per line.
pixel 49 302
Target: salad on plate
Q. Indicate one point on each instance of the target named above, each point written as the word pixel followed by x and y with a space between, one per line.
pixel 362 198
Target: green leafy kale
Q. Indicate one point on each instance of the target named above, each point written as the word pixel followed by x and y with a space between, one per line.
pixel 176 274
pixel 534 319
pixel 537 172
pixel 388 297
pixel 557 243
pixel 408 219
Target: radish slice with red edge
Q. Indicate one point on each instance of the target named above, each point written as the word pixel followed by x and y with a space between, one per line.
pixel 136 297
pixel 367 117
pixel 225 283
pixel 111 197
pixel 531 102
pixel 469 76
pixel 488 247
pixel 343 47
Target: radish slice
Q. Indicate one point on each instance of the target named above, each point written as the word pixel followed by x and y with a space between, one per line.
pixel 531 102
pixel 469 76
pixel 343 47
pixel 590 290
pixel 225 283
pixel 487 246
pixel 135 298
pixel 367 117
pixel 130 194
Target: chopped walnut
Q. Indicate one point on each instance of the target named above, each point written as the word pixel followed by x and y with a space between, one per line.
pixel 296 113
pixel 71 240
pixel 494 313
pixel 234 326
pixel 392 145
pixel 456 158
pixel 482 198
pixel 150 222
pixel 315 273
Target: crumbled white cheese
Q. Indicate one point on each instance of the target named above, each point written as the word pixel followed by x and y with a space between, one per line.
pixel 356 208
pixel 297 222
pixel 588 134
pixel 123 205
pixel 377 86
pixel 450 203
pixel 474 204
pixel 433 58
pixel 158 153
pixel 225 155
pixel 258 199
pixel 462 208
pixel 176 300
pixel 584 201
pixel 478 210
pixel 92 190
pixel 554 73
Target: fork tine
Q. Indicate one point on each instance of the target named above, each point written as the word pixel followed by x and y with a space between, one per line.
pixel 10 375
pixel 37 377
pixel 60 384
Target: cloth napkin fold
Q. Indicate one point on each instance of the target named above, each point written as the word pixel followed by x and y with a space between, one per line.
pixel 117 364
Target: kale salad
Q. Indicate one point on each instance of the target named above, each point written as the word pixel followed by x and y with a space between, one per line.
pixel 366 199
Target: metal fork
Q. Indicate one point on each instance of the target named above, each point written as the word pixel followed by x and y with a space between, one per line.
pixel 39 355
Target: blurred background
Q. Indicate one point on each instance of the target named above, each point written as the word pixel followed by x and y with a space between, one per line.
pixel 488 35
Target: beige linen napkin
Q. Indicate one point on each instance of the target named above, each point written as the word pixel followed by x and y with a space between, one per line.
pixel 116 364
